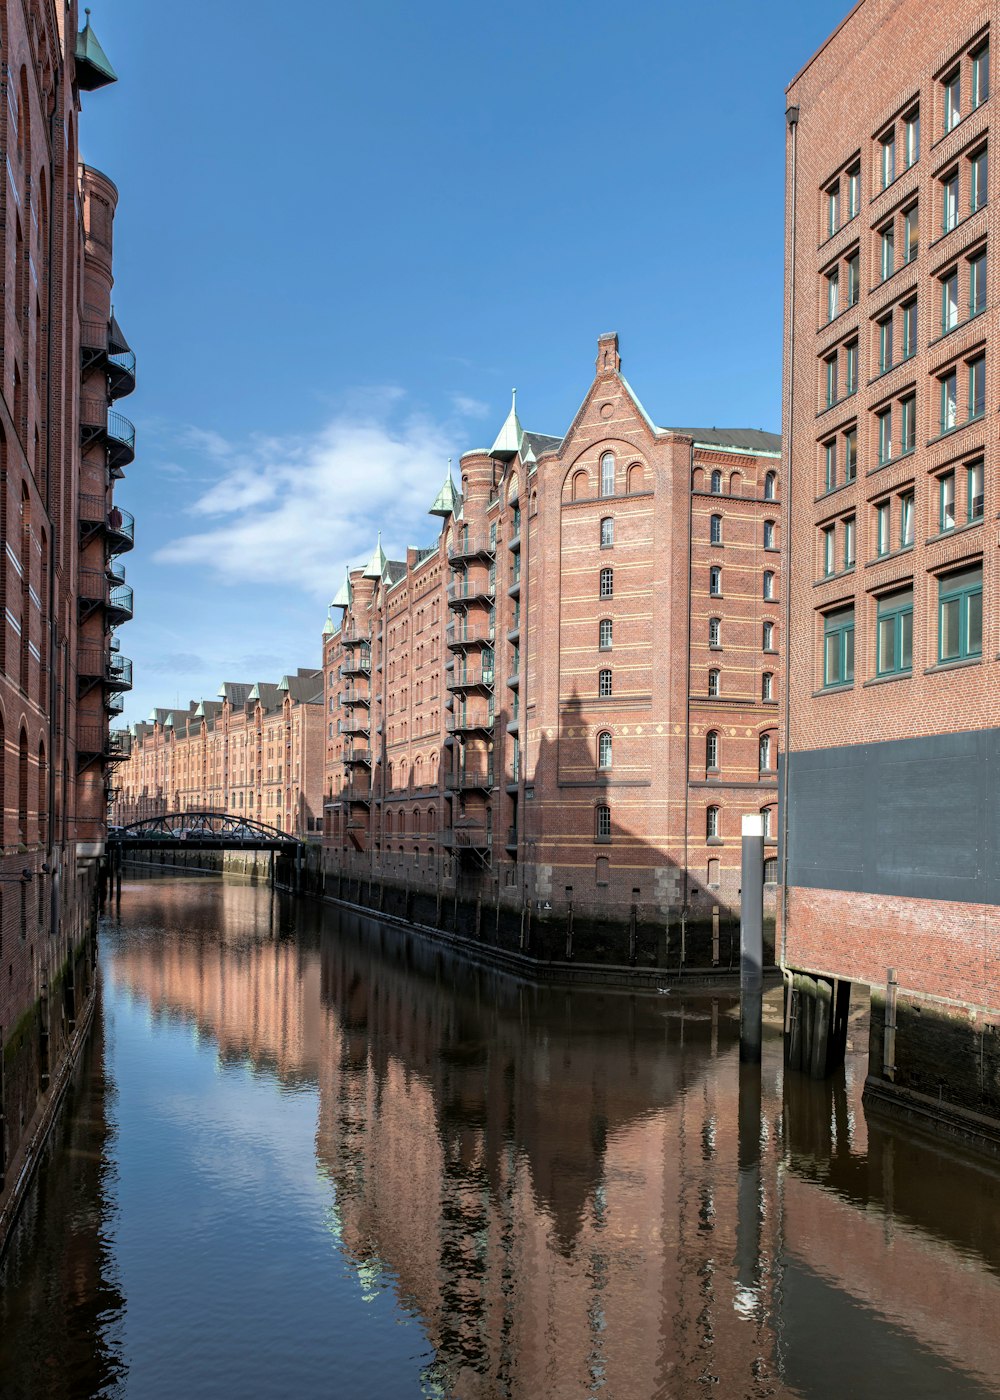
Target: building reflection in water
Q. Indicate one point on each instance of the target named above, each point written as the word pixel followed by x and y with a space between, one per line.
pixel 585 1192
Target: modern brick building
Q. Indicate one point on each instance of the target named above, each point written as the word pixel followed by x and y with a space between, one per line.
pixel 256 752
pixel 891 397
pixel 62 450
pixel 570 698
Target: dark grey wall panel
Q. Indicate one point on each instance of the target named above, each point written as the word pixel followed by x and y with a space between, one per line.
pixel 915 817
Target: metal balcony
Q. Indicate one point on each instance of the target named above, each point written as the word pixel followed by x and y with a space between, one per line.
pixel 469 780
pixel 357 666
pixel 118 672
pixel 472 547
pixel 468 838
pixel 471 590
pixel 115 571
pixel 355 697
pixel 458 637
pixel 353 793
pixel 95 741
pixel 98 423
pixel 356 725
pixel 358 756
pixel 118 525
pixel 353 637
pixel 470 678
pixel 114 704
pixel 478 722
pixel 120 601
pixel 103 347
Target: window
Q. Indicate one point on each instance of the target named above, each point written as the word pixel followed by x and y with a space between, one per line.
pixel 907 424
pixel 771 870
pixel 604 750
pixel 853 191
pixel 885 344
pixel 607 532
pixel 977 386
pixel 911 138
pixel 911 233
pixel 853 279
pixel 767 686
pixel 980 78
pixel 716 484
pixel 712 750
pixel 607 475
pixel 830 368
pixel 833 208
pixel 978 180
pixel 604 634
pixel 949 201
pixel 769 585
pixel 908 318
pixel 715 581
pixel 769 482
pixel 715 529
pixel 851 454
pixel 894 633
pixel 766 755
pixel 849 541
pixel 952 100
pixel 977 285
pixel 830 475
pixel 713 875
pixel 714 631
pixel 769 534
pixel 883 539
pixel 838 647
pixel 607 583
pixel 712 823
pixel 905 519
pixel 949 401
pixel 832 294
pixel 960 615
pixel 887 252
pixel 851 368
pixel 884 421
pixel 887 159
pixel 767 822
pixel 949 301
pixel 974 474
pixel 713 684
pixel 604 684
pixel 602 870
pixel 946 502
pixel 602 823
pixel 768 636
pixel 829 537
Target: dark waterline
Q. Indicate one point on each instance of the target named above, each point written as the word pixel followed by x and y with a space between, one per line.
pixel 311 1157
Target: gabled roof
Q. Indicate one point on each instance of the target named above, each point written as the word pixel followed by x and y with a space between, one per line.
pixel 306 687
pixel 236 692
pixel 745 439
pixel 395 569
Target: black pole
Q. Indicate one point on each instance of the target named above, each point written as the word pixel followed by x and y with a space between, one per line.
pixel 752 940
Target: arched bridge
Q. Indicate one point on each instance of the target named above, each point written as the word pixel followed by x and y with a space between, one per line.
pixel 201 831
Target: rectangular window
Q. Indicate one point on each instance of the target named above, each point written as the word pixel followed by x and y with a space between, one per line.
pixel 829 542
pixel 849 538
pixel 603 824
pixel 977 284
pixel 831 465
pixel 978 180
pixel 887 252
pixel 980 88
pixel 832 294
pixel 894 639
pixel 887 159
pixel 949 202
pixel 883 539
pixel 905 519
pixel 833 209
pixel 946 500
pixel 885 436
pixel 949 401
pixel 960 615
pixel 715 582
pixel 853 279
pixel 838 647
pixel 977 386
pixel 908 424
pixel 952 101
pixel 975 490
pixel 853 191
pixel 911 137
pixel 604 684
pixel 949 301
pixel 607 532
pixel 850 368
pixel 885 344
pixel 911 233
pixel 908 317
pixel 850 454
pixel 831 381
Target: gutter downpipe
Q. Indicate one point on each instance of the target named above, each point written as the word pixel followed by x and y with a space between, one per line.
pixel 792 119
pixel 687 710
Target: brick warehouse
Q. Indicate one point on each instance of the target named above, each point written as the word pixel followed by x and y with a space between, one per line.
pixel 570 699
pixel 256 752
pixel 891 398
pixel 65 361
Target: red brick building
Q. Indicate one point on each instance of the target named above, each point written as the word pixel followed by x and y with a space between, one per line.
pixel 63 447
pixel 891 393
pixel 256 752
pixel 570 698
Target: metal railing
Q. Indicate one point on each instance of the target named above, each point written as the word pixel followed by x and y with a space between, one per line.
pixel 96 419
pixel 355 697
pixel 358 756
pixel 471 838
pixel 469 778
pixel 469 678
pixel 119 524
pixel 471 589
pixel 356 666
pixel 456 636
pixel 114 745
pixel 479 719
pixel 93 585
pixel 120 602
pixel 473 547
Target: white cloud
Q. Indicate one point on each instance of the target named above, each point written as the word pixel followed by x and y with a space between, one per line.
pixel 467 407
pixel 293 511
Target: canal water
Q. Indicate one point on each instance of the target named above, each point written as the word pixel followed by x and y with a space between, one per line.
pixel 313 1156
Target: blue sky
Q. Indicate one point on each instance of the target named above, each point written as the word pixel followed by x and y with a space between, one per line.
pixel 341 242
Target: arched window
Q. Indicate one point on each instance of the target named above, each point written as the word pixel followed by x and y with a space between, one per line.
pixel 604 750
pixel 712 749
pixel 715 581
pixel 636 479
pixel 607 583
pixel 771 870
pixel 388 823
pixel 416 821
pixel 769 585
pixel 713 684
pixel 579 485
pixel 768 636
pixel 767 686
pixel 770 480
pixel 605 634
pixel 713 823
pixel 769 534
pixel 715 531
pixel 735 483
pixel 713 873
pixel 43 795
pixel 607 532
pixel 607 475
pixel 604 684
pixel 716 483
pixel 22 789
pixel 602 823
pixel 768 823
pixel 714 631
pixel 767 753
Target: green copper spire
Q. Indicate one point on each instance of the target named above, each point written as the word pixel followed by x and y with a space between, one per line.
pixel 93 68
pixel 345 595
pixel 446 500
pixel 508 442
pixel 375 567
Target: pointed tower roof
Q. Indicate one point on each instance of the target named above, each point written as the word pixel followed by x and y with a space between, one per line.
pixel 508 442
pixel 93 68
pixel 446 500
pixel 328 626
pixel 375 567
pixel 344 595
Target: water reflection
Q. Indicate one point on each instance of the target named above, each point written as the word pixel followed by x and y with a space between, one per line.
pixel 535 1193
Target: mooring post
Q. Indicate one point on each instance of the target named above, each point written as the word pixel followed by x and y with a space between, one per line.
pixel 3 1119
pixel 569 932
pixel 118 880
pixel 270 869
pixel 889 1029
pixel 752 940
pixel 715 935
pixel 748 1193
